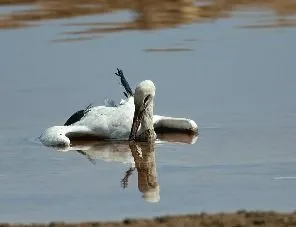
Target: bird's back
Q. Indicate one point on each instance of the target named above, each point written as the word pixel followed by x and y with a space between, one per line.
pixel 110 122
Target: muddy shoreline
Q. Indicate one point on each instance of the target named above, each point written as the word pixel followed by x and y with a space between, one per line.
pixel 237 219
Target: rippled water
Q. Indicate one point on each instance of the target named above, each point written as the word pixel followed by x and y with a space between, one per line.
pixel 237 84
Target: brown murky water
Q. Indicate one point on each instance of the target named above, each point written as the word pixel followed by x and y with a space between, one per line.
pixel 237 84
pixel 146 15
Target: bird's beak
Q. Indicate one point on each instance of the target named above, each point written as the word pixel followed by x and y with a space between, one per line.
pixel 138 115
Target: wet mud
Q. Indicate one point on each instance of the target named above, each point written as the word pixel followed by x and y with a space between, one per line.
pixel 237 219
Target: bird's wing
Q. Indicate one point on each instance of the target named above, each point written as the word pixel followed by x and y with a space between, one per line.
pixel 75 117
pixel 78 115
pixel 171 124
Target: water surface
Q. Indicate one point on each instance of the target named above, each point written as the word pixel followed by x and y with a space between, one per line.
pixel 237 84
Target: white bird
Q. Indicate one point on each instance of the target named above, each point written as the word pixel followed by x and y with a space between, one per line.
pixel 132 119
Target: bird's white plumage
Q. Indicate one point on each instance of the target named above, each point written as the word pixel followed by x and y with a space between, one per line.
pixel 158 119
pixel 103 122
pixel 108 122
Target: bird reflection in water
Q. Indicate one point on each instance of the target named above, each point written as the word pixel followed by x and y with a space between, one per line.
pixel 144 159
pixel 140 156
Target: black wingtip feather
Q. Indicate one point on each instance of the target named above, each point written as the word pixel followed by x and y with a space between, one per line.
pixel 78 115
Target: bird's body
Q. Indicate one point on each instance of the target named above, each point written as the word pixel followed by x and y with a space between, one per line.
pixel 110 123
pixel 132 119
pixel 100 122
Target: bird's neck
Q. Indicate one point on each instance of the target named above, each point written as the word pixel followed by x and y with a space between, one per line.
pixel 147 129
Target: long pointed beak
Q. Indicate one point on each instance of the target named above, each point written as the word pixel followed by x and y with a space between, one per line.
pixel 138 115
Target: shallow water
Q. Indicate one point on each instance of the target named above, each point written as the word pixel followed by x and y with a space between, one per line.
pixel 237 84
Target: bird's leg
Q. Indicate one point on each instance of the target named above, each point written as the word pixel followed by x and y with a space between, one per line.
pixel 124 83
pixel 119 72
pixel 128 173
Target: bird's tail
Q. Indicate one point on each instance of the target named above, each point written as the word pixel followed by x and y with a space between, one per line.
pixel 128 91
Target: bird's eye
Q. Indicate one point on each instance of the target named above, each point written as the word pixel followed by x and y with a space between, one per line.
pixel 146 99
